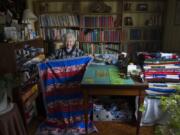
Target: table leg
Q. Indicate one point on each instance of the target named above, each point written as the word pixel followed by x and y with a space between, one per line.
pixel 139 114
pixel 86 111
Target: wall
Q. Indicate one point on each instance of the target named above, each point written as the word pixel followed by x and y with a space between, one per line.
pixel 171 41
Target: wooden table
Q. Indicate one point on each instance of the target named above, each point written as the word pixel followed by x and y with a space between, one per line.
pixel 106 80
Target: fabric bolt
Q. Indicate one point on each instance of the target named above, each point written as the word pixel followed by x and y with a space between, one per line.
pixel 161 88
pixel 163 85
pixel 162 76
pixel 161 66
pixel 161 73
pixel 163 63
pixel 62 96
pixel 158 55
pixel 162 80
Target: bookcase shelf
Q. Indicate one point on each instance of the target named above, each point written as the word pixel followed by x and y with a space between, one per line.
pixel 67 27
pixel 101 28
pixel 142 25
pixel 100 14
pixel 125 17
pixel 131 41
pixel 142 12
pixel 103 24
pixel 108 42
pixel 57 12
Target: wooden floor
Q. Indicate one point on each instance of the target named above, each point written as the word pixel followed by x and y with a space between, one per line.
pixel 117 128
pixel 108 128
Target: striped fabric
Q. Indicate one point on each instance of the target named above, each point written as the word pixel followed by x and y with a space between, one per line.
pixel 62 96
pixel 162 71
pixel 161 88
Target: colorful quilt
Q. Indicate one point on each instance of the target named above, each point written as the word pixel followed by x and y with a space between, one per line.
pixel 62 97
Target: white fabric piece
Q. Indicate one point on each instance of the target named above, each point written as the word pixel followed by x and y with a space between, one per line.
pixel 153 113
pixel 9 108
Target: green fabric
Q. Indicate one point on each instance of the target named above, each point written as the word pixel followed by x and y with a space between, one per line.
pixel 106 74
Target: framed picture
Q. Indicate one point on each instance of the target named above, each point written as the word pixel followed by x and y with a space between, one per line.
pixel 128 21
pixel 142 7
pixel 177 13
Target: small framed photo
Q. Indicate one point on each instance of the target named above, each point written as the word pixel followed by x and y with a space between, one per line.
pixel 142 7
pixel 128 21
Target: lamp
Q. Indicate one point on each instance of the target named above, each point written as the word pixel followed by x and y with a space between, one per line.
pixel 28 15
pixel 28 20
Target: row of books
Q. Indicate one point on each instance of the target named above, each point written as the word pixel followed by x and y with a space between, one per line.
pixel 139 34
pixel 59 20
pixel 56 34
pixel 98 21
pixel 101 36
pixel 90 48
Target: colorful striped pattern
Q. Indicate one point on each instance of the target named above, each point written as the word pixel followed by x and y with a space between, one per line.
pixel 62 96
pixel 161 88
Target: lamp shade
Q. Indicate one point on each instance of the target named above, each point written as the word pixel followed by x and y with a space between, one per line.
pixel 28 15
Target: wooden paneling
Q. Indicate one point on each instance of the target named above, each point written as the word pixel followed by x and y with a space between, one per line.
pixel 171 42
pixel 7 59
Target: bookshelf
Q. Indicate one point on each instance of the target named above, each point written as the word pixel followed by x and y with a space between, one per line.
pixel 94 30
pixel 97 32
pixel 54 26
pixel 142 25
pixel 123 25
pixel 27 54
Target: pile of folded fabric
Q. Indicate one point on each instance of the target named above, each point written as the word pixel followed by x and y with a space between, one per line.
pixel 162 72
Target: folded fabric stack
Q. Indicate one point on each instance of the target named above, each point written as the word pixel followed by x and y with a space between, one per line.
pixel 162 72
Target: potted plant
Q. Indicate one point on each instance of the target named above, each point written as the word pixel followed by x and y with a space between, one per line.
pixel 171 105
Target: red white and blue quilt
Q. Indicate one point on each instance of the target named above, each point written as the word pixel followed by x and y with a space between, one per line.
pixel 63 99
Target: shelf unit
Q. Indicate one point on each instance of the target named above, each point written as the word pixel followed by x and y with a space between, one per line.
pixel 22 58
pixel 28 54
pixel 136 23
pixel 143 25
pixel 54 26
pixel 108 24
pixel 100 31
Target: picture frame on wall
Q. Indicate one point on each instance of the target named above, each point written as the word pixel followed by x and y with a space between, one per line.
pixel 177 13
pixel 142 7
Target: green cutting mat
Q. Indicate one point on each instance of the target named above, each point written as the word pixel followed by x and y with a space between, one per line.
pixel 106 74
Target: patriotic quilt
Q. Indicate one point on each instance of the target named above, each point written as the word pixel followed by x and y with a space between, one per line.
pixel 63 99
